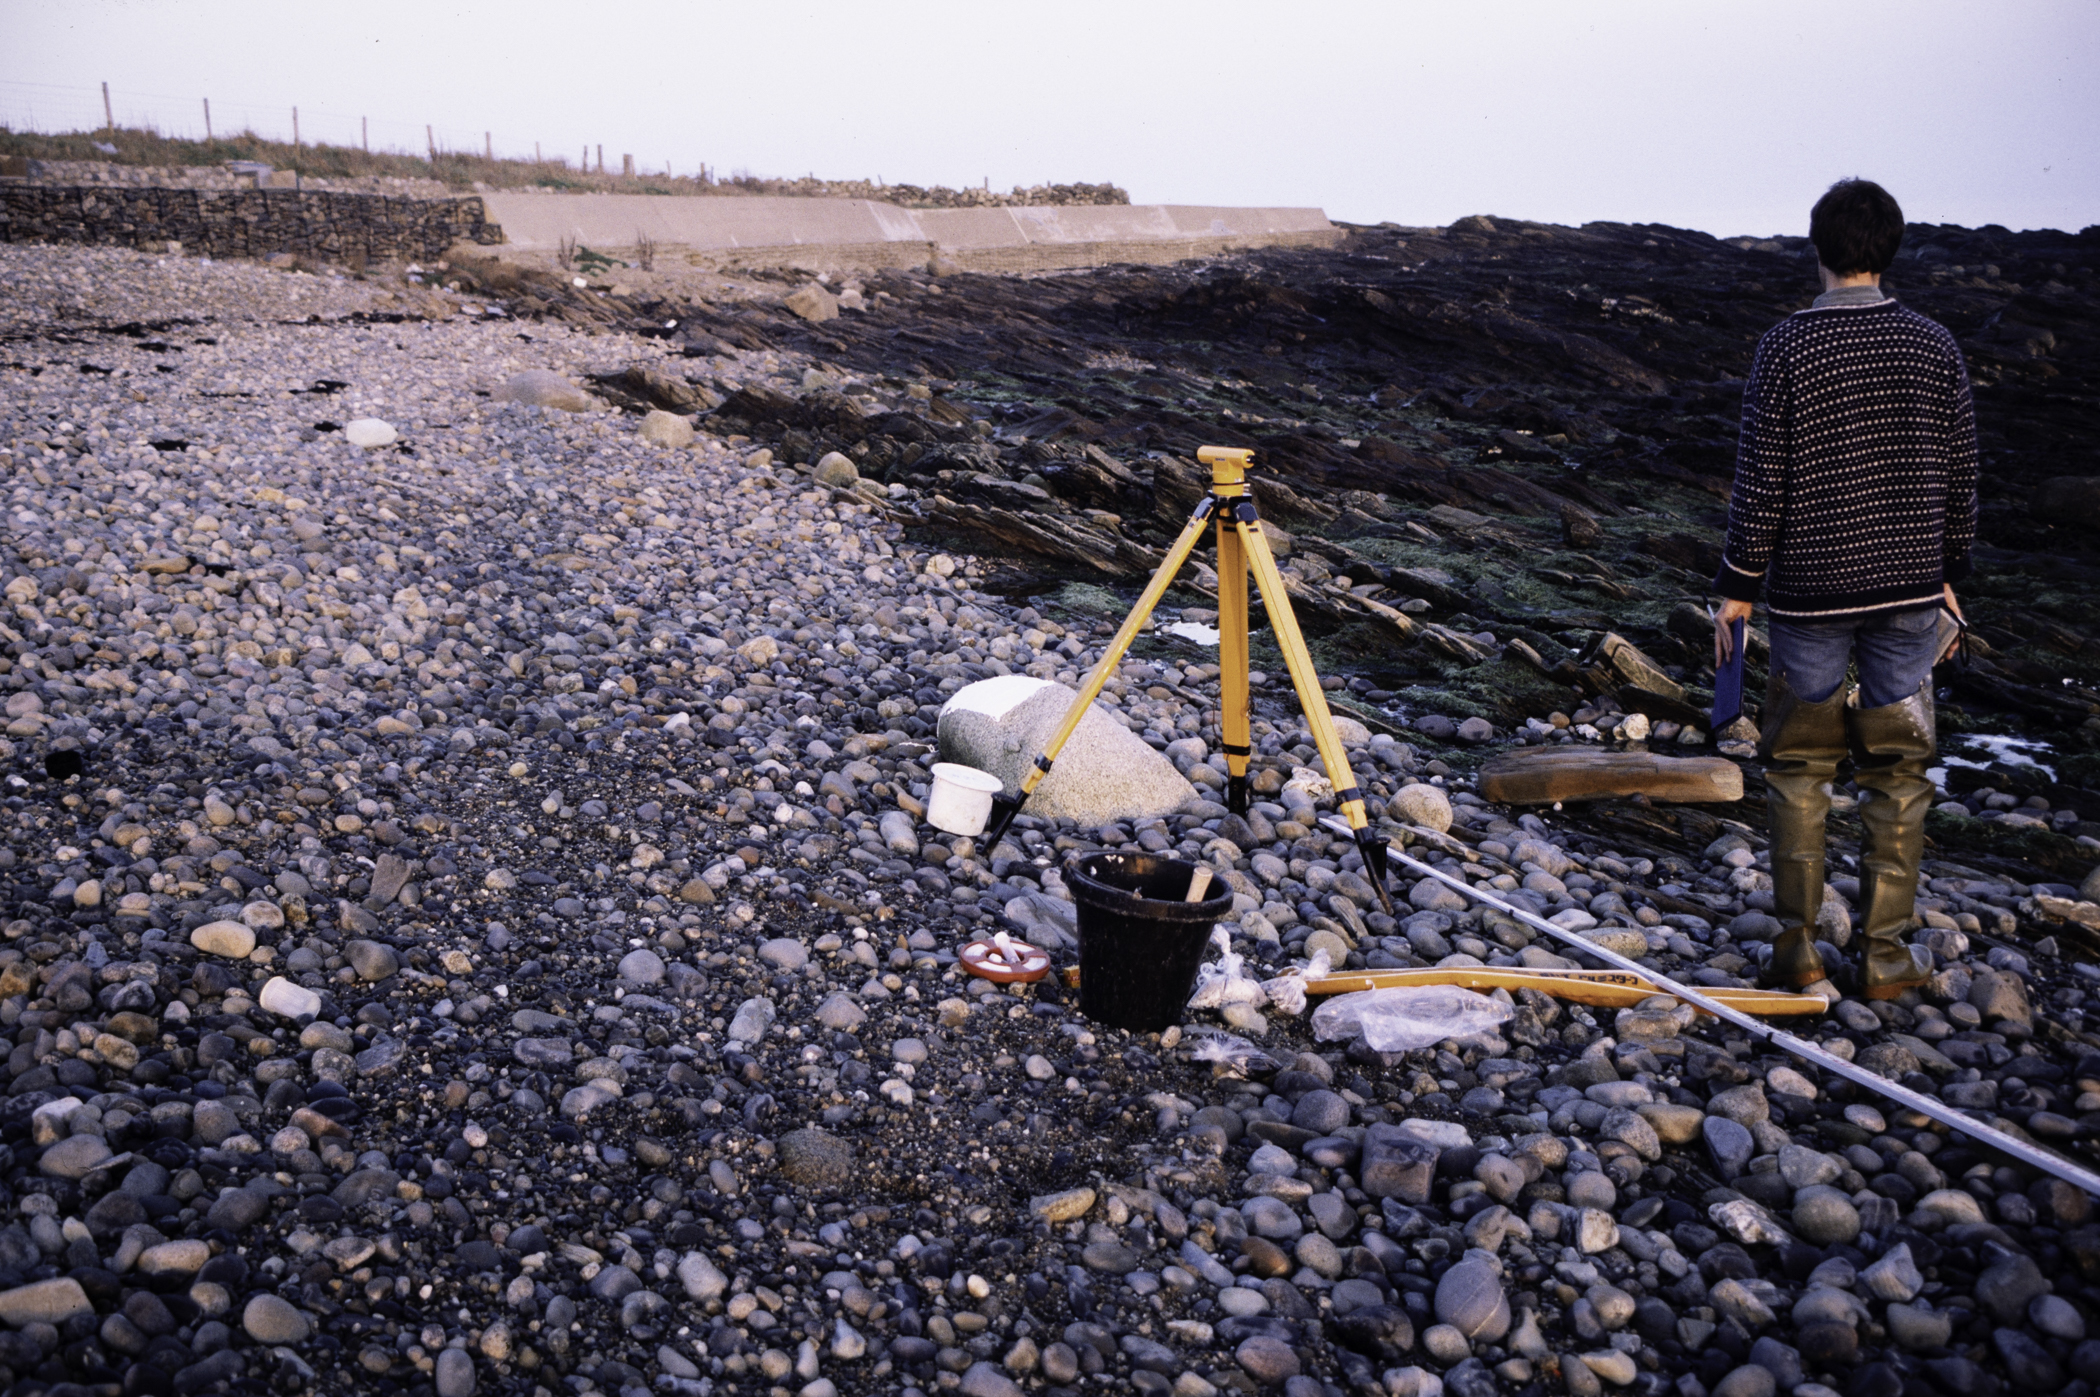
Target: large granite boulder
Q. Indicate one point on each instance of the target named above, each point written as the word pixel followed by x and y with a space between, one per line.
pixel 1106 772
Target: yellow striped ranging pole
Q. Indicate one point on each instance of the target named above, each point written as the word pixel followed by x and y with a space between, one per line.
pixel 1931 1108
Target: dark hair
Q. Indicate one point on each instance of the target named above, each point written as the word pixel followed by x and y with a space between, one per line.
pixel 1856 227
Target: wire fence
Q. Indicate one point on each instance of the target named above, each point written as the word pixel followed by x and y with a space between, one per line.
pixel 52 109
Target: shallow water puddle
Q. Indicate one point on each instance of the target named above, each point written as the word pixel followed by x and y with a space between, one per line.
pixel 2013 751
pixel 1193 630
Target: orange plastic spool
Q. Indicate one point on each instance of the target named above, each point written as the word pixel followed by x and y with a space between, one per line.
pixel 983 959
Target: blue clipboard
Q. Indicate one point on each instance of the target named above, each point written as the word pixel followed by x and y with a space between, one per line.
pixel 1728 683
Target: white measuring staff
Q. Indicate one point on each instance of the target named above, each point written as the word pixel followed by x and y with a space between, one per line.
pixel 1808 1052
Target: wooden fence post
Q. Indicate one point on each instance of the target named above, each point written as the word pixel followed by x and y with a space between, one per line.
pixel 364 133
pixel 627 166
pixel 295 133
pixel 488 146
pixel 431 141
pixel 108 119
pixel 207 121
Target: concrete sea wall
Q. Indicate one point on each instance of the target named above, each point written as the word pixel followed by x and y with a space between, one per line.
pixel 824 233
pixel 818 234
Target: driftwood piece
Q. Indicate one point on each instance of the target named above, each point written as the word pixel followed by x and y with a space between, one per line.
pixel 1547 775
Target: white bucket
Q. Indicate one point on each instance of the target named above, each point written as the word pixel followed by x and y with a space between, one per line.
pixel 961 801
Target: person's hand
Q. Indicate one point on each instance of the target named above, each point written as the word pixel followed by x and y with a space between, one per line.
pixel 1731 612
pixel 1954 608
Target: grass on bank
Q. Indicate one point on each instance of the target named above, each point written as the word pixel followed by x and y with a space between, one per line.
pixel 458 168
pixel 464 169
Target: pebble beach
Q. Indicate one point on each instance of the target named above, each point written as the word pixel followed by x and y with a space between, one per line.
pixel 489 945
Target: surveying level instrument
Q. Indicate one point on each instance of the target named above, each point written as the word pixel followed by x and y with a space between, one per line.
pixel 1241 547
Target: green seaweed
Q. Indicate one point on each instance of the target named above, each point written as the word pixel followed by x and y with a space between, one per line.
pixel 2044 849
pixel 1085 599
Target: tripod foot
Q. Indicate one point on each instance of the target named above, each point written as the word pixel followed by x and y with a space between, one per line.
pixel 1236 794
pixel 1004 808
pixel 1374 851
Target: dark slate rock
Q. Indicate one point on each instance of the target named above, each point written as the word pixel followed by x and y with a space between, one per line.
pixel 1382 1331
pixel 1397 1165
pixel 362 1186
pixel 237 1211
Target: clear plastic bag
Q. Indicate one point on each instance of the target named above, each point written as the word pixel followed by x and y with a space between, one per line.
pixel 1417 1016
pixel 1287 991
pixel 1234 1054
pixel 1224 981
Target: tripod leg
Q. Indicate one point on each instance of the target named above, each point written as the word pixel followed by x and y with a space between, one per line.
pixel 1235 725
pixel 1276 597
pixel 1005 807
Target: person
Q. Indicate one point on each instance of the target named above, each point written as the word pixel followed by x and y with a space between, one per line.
pixel 1853 514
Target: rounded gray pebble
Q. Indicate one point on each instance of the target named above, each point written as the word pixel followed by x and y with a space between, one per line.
pixel 642 967
pixel 270 1319
pixel 1824 1217
pixel 1268 1361
pixel 988 1380
pixel 455 1373
pixel 784 953
pixel 1320 1111
pixel 1750 1380
pixel 1471 1300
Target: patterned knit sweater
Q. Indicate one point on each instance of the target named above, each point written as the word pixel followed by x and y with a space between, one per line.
pixel 1855 476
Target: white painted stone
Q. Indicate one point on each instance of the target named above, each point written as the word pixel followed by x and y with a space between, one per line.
pixel 369 433
pixel 292 1001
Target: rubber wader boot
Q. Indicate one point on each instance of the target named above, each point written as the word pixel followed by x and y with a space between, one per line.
pixel 1801 744
pixel 1891 746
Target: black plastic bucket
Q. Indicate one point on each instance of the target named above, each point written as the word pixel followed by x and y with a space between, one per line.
pixel 1138 955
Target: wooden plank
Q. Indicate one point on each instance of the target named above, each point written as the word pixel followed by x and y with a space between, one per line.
pixel 1545 775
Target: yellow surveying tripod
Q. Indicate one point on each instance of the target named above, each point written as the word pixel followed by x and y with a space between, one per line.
pixel 1241 546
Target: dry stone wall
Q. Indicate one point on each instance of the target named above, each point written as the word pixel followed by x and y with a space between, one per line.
pixel 244 222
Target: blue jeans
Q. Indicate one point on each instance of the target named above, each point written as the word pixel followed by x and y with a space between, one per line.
pixel 1894 649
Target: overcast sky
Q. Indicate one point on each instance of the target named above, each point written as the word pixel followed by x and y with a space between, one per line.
pixel 1728 117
